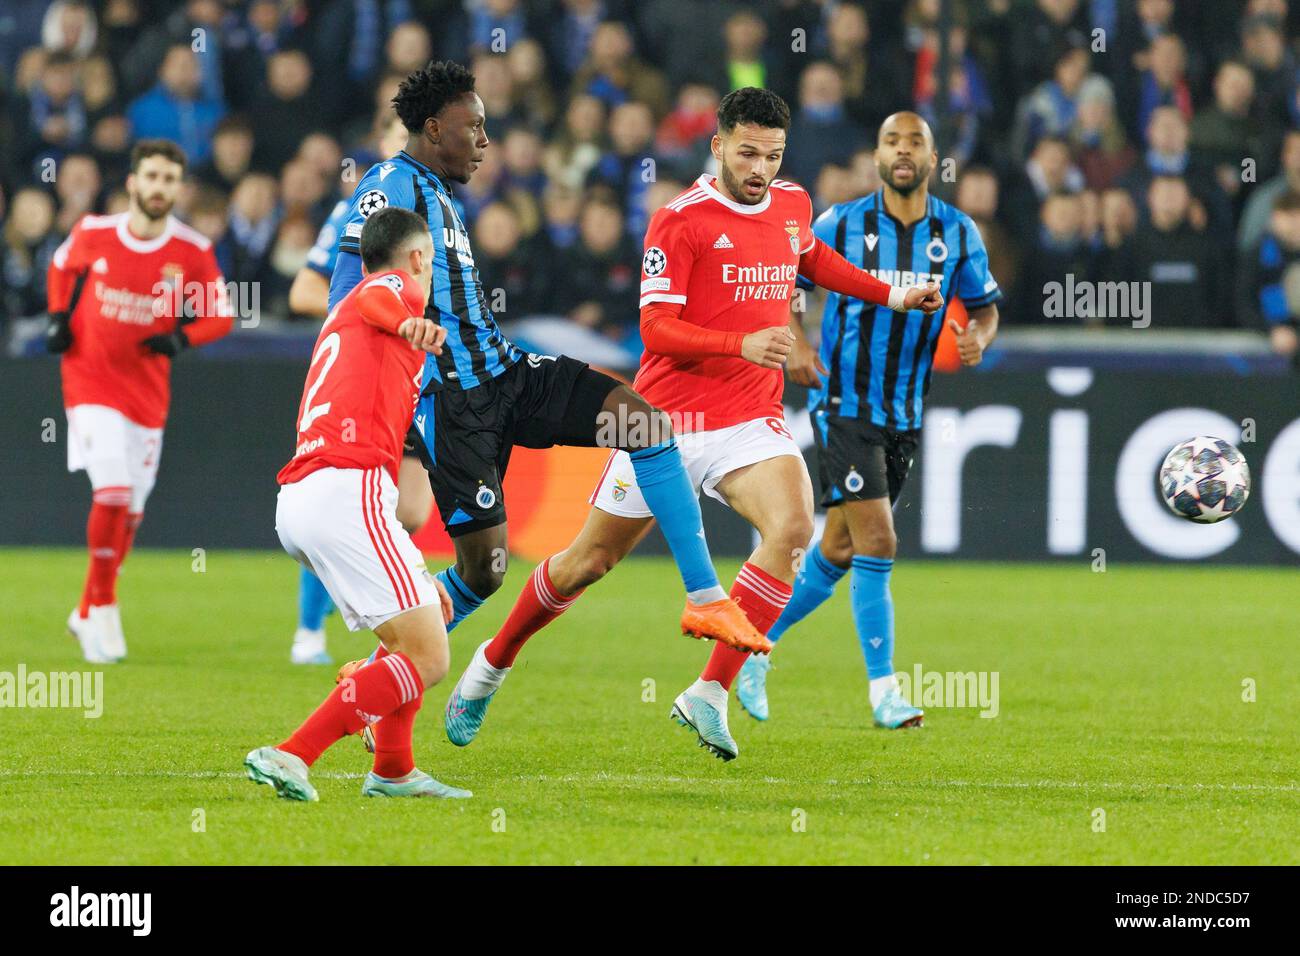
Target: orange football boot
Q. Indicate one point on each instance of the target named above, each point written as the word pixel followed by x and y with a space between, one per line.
pixel 724 621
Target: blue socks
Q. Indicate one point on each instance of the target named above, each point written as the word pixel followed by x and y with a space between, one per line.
pixel 668 493
pixel 463 600
pixel 814 583
pixel 873 613
pixel 313 602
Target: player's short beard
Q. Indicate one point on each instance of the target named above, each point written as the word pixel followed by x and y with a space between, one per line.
pixel 139 203
pixel 736 189
pixel 920 178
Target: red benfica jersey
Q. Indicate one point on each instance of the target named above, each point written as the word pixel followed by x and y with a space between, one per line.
pixel 134 288
pixel 363 382
pixel 733 268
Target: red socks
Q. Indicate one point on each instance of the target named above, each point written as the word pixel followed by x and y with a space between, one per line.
pixel 762 598
pixel 371 693
pixel 104 537
pixel 538 605
pixel 393 738
pixel 133 519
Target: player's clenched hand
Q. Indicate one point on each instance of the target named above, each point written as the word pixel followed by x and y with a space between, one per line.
pixel 927 298
pixel 805 365
pixel 448 609
pixel 423 334
pixel 768 347
pixel 970 341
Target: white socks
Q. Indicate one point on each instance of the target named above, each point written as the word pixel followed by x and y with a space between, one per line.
pixel 706 595
pixel 710 691
pixel 481 678
pixel 879 687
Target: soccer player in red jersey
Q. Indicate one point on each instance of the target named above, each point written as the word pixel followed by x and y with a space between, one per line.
pixel 718 272
pixel 337 514
pixel 119 288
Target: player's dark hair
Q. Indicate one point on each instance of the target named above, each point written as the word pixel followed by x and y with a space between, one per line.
pixel 385 233
pixel 156 147
pixel 753 107
pixel 425 92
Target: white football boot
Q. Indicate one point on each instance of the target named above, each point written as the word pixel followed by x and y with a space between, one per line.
pixel 309 647
pixel 87 632
pixel 111 639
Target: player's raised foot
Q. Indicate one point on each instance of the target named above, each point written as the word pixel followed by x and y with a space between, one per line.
pixel 367 732
pixel 284 771
pixel 751 685
pixel 894 712
pixel 724 621
pixel 702 707
pixel 87 632
pixel 309 647
pixel 467 706
pixel 417 783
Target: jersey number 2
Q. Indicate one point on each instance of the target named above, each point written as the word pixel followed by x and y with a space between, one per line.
pixel 312 412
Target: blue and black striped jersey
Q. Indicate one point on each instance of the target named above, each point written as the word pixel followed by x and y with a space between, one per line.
pixel 879 360
pixel 325 253
pixel 476 350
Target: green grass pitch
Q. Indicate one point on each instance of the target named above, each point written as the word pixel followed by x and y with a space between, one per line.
pixel 1121 693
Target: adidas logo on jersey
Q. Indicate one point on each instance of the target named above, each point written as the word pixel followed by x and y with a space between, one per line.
pixel 723 242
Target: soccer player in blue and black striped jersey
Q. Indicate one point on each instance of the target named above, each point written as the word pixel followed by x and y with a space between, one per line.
pixel 865 392
pixel 482 396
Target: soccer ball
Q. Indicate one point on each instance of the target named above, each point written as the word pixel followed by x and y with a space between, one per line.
pixel 1204 479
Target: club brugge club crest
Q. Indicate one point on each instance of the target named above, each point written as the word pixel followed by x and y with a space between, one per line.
pixel 485 498
pixel 937 250
pixel 853 481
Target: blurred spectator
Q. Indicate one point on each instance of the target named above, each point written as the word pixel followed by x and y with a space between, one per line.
pixel 820 130
pixel 521 151
pixel 1119 218
pixel 1227 132
pixel 1259 208
pixel 69 27
pixel 1060 256
pixel 630 166
pixel 614 74
pixel 1097 135
pixel 55 113
pixel 347 45
pixel 743 64
pixel 487 185
pixel 968 98
pixel 561 206
pixel 875 75
pixel 30 238
pixel 1168 155
pixel 1049 25
pixel 1273 68
pixel 495 87
pixel 20 29
pixel 254 218
pixel 263 30
pixel 1275 280
pixel 834 185
pixel 303 192
pixel 683 136
pixel 232 154
pixel 578 145
pixel 600 288
pixel 1049 170
pixel 1164 81
pixel 195 26
pixel 515 270
pixel 295 236
pixel 571 35
pixel 533 93
pixel 209 214
pixel 1052 109
pixel 977 197
pixel 177 108
pixel 77 186
pixel 1189 286
pixel 495 24
pixel 286 111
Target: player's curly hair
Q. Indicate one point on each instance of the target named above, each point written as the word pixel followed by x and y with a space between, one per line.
pixel 425 92
pixel 754 107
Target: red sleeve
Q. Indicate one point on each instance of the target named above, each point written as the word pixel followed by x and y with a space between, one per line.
pixel 388 300
pixel 830 270
pixel 664 333
pixel 209 328
pixel 66 264
pixel 668 260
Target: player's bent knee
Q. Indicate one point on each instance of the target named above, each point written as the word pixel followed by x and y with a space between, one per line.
pixel 482 578
pixel 880 543
pixel 595 564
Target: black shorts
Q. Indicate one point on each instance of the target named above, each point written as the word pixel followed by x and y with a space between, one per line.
pixel 467 436
pixel 859 461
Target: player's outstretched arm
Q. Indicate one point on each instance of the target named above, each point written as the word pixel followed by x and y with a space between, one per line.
pixel 830 270
pixel 981 329
pixel 385 308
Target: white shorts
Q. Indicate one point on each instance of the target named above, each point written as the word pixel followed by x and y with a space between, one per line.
pixel 341 524
pixel 114 451
pixel 709 456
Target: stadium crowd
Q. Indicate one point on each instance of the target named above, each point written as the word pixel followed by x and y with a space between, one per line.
pixel 1107 140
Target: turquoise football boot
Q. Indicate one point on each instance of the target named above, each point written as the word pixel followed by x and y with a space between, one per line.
pixel 463 718
pixel 417 783
pixel 751 685
pixel 895 712
pixel 697 714
pixel 284 771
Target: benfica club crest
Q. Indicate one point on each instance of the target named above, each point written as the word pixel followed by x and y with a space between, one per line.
pixel 792 228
